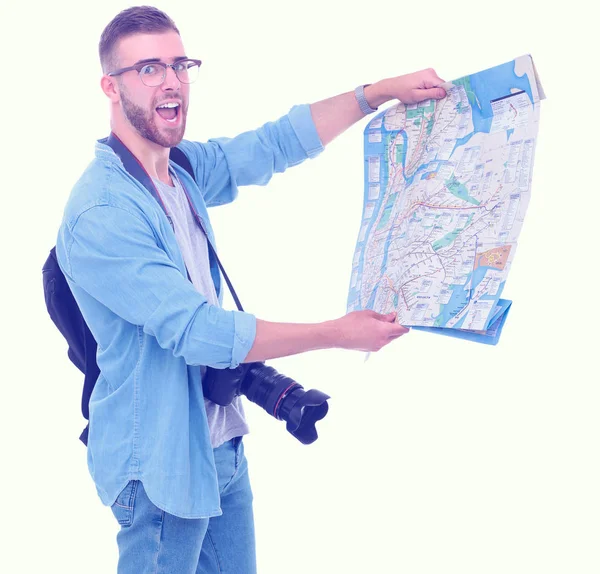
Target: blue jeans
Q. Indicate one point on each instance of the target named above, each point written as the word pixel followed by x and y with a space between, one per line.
pixel 152 541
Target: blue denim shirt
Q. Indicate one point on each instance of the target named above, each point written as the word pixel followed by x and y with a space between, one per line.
pixel 122 262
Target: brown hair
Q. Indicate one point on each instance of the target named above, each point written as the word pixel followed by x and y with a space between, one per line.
pixel 135 20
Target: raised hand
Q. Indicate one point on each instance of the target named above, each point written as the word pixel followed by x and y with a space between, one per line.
pixel 409 88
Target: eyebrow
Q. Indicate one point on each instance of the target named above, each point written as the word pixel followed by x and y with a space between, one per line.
pixel 153 60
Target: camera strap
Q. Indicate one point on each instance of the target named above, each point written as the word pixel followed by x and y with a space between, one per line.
pixel 136 170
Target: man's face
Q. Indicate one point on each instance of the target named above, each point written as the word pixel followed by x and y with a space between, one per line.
pixel 140 103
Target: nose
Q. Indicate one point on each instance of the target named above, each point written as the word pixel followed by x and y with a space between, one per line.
pixel 171 80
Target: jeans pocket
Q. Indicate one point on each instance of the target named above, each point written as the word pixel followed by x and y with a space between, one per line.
pixel 239 451
pixel 122 507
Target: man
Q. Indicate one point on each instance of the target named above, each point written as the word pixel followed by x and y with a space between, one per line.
pixel 169 462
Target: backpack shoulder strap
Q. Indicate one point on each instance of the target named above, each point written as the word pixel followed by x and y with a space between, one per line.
pixel 178 156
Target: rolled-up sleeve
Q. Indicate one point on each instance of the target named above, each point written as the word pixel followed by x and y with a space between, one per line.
pixel 114 256
pixel 245 333
pixel 221 165
pixel 304 127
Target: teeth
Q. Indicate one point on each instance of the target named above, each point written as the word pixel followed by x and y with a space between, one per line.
pixel 169 105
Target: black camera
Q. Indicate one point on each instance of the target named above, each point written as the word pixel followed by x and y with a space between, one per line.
pixel 279 395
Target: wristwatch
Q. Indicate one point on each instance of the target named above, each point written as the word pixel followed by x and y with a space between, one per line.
pixel 364 106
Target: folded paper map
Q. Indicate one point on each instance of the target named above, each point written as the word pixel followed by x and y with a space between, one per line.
pixel 447 184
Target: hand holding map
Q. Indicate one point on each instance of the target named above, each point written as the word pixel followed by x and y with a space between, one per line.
pixel 409 88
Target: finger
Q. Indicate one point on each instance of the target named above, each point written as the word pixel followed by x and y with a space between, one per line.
pixel 432 94
pixel 396 330
pixel 388 317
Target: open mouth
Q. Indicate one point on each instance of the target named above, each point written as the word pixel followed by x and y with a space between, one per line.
pixel 169 111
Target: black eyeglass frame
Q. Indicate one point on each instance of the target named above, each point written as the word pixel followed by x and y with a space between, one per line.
pixel 139 67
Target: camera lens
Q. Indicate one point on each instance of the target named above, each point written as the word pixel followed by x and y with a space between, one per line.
pixel 285 399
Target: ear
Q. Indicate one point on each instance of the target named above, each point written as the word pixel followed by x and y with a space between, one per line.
pixel 110 88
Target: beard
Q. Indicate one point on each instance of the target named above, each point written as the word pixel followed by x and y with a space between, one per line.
pixel 144 121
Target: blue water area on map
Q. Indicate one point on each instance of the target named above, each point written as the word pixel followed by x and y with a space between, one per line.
pixel 371 302
pixel 461 296
pixel 492 84
pixel 459 325
pixel 490 337
pixel 458 300
pixel 464 140
pixel 489 85
pixel 478 275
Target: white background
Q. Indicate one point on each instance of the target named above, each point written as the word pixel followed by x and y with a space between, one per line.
pixel 437 455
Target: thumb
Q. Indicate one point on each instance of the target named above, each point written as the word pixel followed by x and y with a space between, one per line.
pixel 389 317
pixel 433 93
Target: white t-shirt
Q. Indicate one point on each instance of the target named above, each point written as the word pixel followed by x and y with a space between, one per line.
pixel 227 422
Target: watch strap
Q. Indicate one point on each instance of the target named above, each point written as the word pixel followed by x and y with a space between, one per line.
pixel 364 106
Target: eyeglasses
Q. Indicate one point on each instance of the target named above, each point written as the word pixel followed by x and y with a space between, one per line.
pixel 154 74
